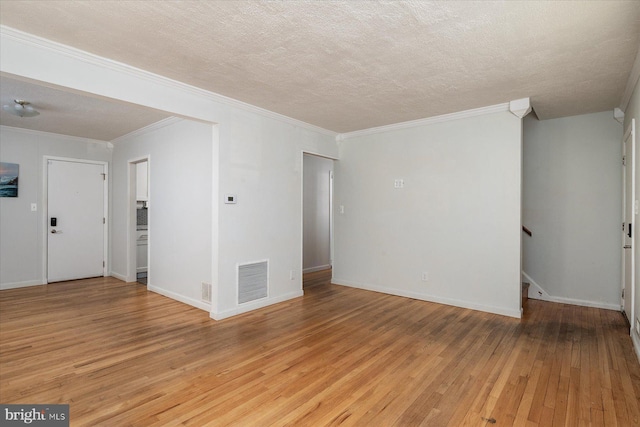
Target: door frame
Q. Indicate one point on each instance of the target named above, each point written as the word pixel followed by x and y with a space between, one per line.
pixel 45 210
pixel 331 205
pixel 630 161
pixel 132 273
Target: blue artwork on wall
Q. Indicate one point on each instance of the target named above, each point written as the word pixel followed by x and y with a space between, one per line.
pixel 8 179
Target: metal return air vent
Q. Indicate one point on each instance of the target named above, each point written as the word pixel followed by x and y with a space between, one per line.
pixel 253 281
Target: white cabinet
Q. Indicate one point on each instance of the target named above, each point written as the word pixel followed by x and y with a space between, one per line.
pixel 142 182
pixel 141 256
pixel 141 250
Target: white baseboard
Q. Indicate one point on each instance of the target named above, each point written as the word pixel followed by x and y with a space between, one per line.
pixel 190 301
pixel 636 343
pixel 538 292
pixel 15 285
pixel 118 276
pixel 314 269
pixel 255 305
pixel 517 313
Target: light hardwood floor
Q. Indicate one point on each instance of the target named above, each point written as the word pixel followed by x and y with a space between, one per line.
pixel 123 356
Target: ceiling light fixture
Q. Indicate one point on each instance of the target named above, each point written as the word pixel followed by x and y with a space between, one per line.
pixel 21 108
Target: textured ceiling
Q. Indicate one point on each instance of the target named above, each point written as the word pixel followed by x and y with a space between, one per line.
pixel 73 114
pixel 350 65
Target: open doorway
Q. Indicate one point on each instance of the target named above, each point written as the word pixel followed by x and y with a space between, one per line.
pixel 139 220
pixel 317 224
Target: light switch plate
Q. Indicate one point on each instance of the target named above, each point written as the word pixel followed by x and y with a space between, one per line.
pixel 34 207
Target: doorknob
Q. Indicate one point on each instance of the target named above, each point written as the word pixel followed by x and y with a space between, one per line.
pixel 54 231
pixel 627 247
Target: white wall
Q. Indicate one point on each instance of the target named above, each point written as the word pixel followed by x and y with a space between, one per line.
pixel 572 202
pixel 633 112
pixel 22 239
pixel 316 214
pixel 180 207
pixel 457 217
pixel 259 152
pixel 261 163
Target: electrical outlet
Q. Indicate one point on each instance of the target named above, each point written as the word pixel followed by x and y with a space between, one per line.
pixel 398 183
pixel 292 275
pixel 341 209
pixel 425 276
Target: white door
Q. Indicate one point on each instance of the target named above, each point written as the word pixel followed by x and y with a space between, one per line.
pixel 629 223
pixel 75 210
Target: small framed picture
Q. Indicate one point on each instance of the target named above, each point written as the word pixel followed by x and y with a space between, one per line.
pixel 9 179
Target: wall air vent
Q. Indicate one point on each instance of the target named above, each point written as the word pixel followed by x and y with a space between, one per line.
pixel 253 281
pixel 206 292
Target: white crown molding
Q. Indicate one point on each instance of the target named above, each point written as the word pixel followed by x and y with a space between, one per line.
pixel 149 128
pixel 498 108
pixel 56 135
pixel 634 75
pixel 520 107
pixel 120 67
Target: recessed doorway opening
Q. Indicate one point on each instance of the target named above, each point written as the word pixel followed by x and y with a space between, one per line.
pixel 139 224
pixel 317 219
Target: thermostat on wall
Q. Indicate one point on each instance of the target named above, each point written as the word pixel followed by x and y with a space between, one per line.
pixel 230 199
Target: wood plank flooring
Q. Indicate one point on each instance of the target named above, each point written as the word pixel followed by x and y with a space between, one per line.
pixel 123 356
